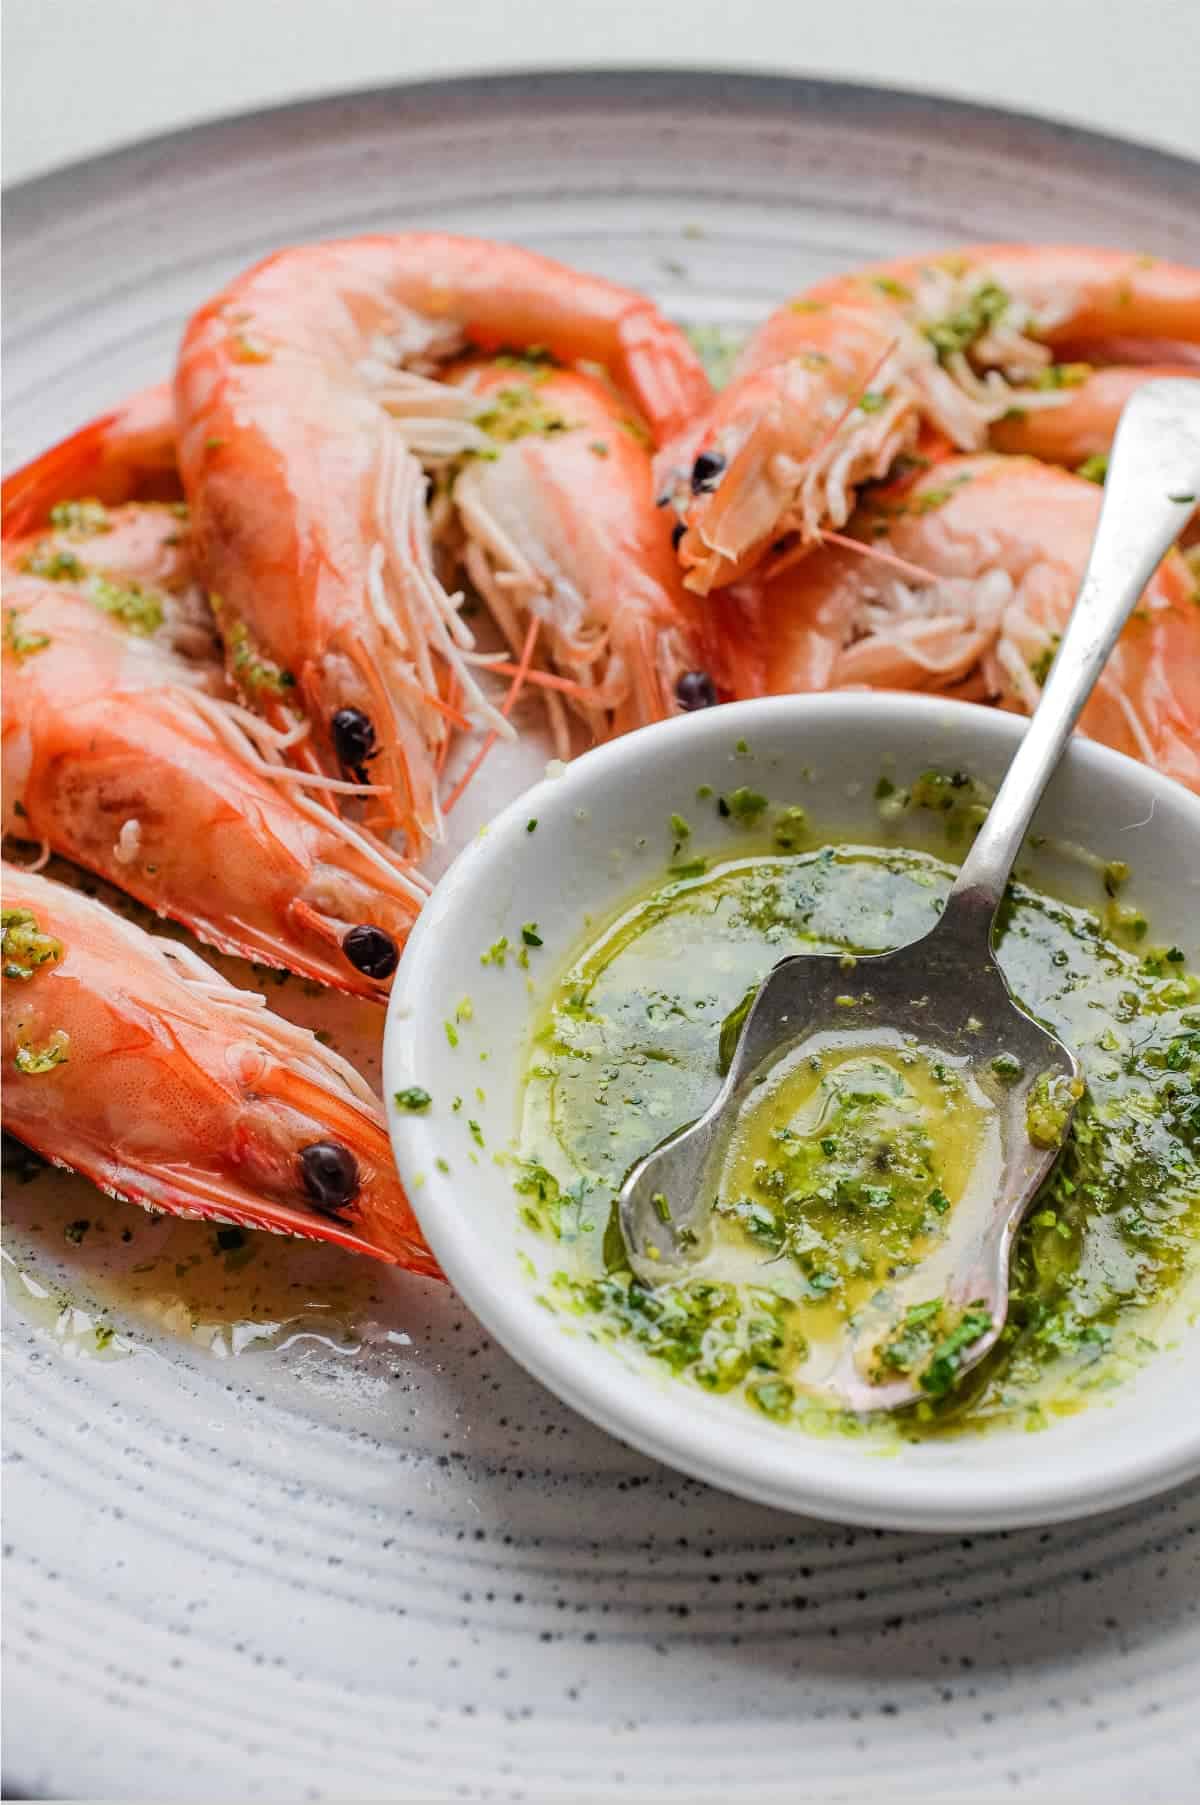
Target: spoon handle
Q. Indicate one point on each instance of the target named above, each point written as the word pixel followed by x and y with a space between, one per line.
pixel 1152 488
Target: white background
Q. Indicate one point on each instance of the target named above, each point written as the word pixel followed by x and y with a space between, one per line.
pixel 83 75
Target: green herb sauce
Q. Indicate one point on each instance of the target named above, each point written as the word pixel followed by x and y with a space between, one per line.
pixel 847 1178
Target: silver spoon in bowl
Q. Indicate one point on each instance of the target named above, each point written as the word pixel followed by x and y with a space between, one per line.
pixel 947 990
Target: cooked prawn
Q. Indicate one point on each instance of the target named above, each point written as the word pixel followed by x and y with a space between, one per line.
pixel 1080 430
pixel 966 587
pixel 306 404
pixel 559 525
pixel 130 1060
pixel 844 377
pixel 128 454
pixel 125 750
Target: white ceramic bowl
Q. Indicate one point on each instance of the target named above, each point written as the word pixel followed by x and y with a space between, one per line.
pixel 601 836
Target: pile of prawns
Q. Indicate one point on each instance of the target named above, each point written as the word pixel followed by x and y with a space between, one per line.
pixel 237 656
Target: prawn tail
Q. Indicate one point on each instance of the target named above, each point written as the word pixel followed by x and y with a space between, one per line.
pixel 662 372
pixel 126 454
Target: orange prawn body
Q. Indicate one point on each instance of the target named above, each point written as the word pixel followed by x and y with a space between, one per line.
pixel 560 526
pixel 976 344
pixel 305 406
pixel 129 1060
pixel 1082 428
pixel 127 454
pixel 123 751
pixel 965 587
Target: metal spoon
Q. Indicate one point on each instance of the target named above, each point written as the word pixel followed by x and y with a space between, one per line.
pixel 947 989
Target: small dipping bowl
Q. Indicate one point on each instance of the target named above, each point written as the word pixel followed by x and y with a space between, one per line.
pixel 601 839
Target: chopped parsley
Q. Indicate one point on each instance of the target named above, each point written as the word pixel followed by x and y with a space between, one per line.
pixel 742 805
pixel 895 291
pixel 530 935
pixel 141 610
pixel 950 1353
pixel 258 675
pixel 33 1061
pixel 930 499
pixel 791 829
pixel 1048 1107
pixel 414 1098
pixel 25 947
pixel 774 1397
pixel 83 518
pixel 53 563
pixel 1039 667
pixel 914 1343
pixel 20 643
pixel 518 413
pixel 1062 376
pixel 958 332
pixel 539 1184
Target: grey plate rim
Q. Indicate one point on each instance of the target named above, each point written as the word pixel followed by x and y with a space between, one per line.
pixel 738 90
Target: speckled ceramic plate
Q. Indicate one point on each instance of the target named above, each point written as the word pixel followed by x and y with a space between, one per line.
pixel 281 1524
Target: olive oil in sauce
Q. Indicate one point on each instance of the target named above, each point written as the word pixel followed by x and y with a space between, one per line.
pixel 841 1177
pixel 845 1171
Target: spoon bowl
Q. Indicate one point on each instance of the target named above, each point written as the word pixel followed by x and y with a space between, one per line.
pixel 945 991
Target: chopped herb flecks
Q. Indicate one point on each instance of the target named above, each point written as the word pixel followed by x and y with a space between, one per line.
pixel 17 640
pixel 413 1098
pixel 25 947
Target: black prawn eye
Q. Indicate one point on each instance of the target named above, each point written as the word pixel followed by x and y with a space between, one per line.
pixel 353 737
pixel 696 689
pixel 705 471
pixel 330 1175
pixel 371 950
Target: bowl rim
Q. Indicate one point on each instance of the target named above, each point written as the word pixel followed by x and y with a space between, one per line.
pixel 676 1428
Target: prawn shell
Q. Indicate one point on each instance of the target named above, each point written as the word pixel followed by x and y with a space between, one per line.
pixel 177 1093
pixel 1022 527
pixel 309 505
pixel 572 527
pixel 127 454
pixel 113 749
